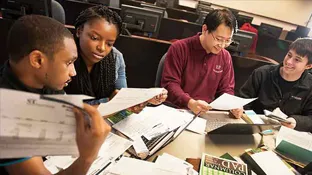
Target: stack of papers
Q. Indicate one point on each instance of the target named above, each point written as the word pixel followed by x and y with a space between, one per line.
pixel 164 165
pixel 152 122
pixel 113 147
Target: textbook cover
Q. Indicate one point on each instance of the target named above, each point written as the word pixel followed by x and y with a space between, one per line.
pixel 215 165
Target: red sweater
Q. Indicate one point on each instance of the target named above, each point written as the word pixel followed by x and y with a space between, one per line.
pixel 189 72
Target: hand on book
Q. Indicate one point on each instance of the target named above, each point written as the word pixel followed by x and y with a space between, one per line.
pixel 157 100
pixel 90 132
pixel 237 113
pixel 292 123
pixel 197 106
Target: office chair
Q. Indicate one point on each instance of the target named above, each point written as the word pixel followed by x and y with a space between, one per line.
pixel 58 12
pixel 160 70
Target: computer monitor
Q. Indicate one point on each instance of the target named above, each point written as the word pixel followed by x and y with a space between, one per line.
pixel 204 3
pixel 181 29
pixel 130 2
pixel 141 21
pixel 242 42
pixel 182 14
pixel 103 2
pixel 149 1
pixel 153 7
pixel 302 31
pixel 204 6
pixel 234 11
pixel 13 9
pixel 167 3
pixel 242 19
pixel 202 17
pixel 270 30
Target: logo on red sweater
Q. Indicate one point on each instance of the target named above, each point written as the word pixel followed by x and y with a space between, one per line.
pixel 218 69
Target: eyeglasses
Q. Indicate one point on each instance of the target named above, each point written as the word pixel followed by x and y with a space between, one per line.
pixel 221 41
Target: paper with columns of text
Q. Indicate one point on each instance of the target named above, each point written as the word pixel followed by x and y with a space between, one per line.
pixel 30 126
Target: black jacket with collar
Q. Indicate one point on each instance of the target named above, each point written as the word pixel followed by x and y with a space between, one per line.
pixel 263 83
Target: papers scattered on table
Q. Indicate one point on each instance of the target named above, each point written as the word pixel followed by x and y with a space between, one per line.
pixel 153 121
pixel 228 102
pixel 113 147
pixel 128 97
pixel 198 125
pixel 164 165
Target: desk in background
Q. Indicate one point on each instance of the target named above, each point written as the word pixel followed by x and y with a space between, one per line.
pixel 273 48
pixel 142 56
pixel 73 8
pixel 171 29
pixel 182 14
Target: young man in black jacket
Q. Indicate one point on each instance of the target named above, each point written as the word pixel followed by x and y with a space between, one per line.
pixel 287 86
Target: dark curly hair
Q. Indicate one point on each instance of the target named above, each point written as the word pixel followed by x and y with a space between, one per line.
pixel 103 73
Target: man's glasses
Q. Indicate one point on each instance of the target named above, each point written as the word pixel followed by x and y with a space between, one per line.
pixel 221 41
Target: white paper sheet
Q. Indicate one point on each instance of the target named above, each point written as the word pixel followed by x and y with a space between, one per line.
pixel 130 166
pixel 76 100
pixel 273 166
pixel 301 139
pixel 198 125
pixel 30 126
pixel 143 123
pixel 128 97
pixel 112 148
pixel 228 102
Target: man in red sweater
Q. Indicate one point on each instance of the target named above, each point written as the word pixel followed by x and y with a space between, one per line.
pixel 198 69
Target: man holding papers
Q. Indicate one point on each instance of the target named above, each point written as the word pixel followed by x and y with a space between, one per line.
pixel 287 86
pixel 198 69
pixel 42 52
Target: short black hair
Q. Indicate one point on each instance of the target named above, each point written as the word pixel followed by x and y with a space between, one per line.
pixel 303 47
pixel 220 16
pixel 36 32
pixel 99 11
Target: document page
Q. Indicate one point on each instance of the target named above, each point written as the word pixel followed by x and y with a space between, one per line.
pixel 301 139
pixel 130 166
pixel 31 126
pixel 152 120
pixel 113 147
pixel 228 102
pixel 128 97
pixel 273 166
pixel 76 100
